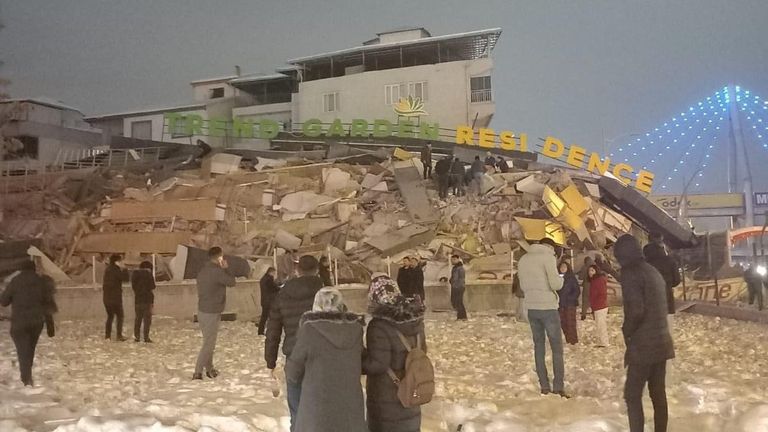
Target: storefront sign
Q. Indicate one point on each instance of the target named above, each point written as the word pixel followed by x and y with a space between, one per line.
pixel 699 202
pixel 575 156
pixel 761 198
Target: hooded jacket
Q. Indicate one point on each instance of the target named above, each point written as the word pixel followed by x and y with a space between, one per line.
pixel 645 328
pixel 569 294
pixel 539 278
pixel 143 284
pixel 386 351
pixel 30 297
pixel 327 361
pixel 666 265
pixel 295 298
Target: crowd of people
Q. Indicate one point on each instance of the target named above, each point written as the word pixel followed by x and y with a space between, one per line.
pixel 451 173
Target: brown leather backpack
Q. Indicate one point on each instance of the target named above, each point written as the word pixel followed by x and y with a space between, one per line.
pixel 417 387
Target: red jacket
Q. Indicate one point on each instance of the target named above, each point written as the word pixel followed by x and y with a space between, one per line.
pixel 598 293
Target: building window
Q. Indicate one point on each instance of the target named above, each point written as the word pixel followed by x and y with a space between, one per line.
pixel 418 90
pixel 141 129
pixel 393 93
pixel 20 147
pixel 179 128
pixel 331 102
pixel 481 89
pixel 217 92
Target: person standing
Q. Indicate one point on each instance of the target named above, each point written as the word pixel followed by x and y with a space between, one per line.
pixel 417 267
pixel 541 281
pixel 598 298
pixel 324 271
pixel 405 278
pixel 395 317
pixel 646 334
pixel 584 276
pixel 569 301
pixel 755 282
pixel 656 255
pixel 443 172
pixel 326 363
pixel 286 266
pixel 269 290
pixel 114 276
pixel 426 160
pixel 32 305
pixel 212 282
pixel 502 165
pixel 458 287
pixel 490 161
pixel 296 297
pixel 457 177
pixel 477 170
pixel 143 283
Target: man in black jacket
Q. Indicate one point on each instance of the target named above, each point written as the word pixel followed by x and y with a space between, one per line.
pixel 269 290
pixel 426 160
pixel 295 298
pixel 443 172
pixel 31 299
pixel 114 276
pixel 405 278
pixel 646 334
pixel 143 283
pixel 457 176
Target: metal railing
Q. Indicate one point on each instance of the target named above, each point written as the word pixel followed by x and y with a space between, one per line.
pixel 481 96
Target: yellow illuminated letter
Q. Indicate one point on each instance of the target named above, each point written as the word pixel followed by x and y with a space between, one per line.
pixel 644 181
pixel 598 166
pixel 465 135
pixel 507 140
pixel 524 142
pixel 619 171
pixel 576 156
pixel 553 148
pixel 486 138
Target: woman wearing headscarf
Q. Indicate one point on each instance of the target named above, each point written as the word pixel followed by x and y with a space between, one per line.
pixel 569 301
pixel 326 361
pixel 392 313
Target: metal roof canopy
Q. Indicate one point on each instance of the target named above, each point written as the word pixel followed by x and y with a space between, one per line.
pixel 472 44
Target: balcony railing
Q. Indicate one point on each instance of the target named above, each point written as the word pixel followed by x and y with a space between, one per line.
pixel 479 96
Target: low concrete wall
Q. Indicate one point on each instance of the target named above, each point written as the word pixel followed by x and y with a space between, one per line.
pixel 179 300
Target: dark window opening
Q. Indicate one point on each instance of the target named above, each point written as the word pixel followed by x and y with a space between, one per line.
pixel 217 92
pixel 21 147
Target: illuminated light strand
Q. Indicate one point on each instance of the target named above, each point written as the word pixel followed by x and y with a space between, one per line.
pixel 706 154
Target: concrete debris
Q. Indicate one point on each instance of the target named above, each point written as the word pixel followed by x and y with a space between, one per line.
pixel 298 205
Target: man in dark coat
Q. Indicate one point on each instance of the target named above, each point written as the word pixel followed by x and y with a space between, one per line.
pixel 646 334
pixel 212 282
pixel 477 170
pixel 426 159
pixel 269 290
pixel 755 282
pixel 114 276
pixel 31 299
pixel 143 283
pixel 457 177
pixel 392 313
pixel 502 165
pixel 584 276
pixel 443 172
pixel 656 255
pixel 458 287
pixel 324 271
pixel 405 278
pixel 418 277
pixel 326 363
pixel 295 298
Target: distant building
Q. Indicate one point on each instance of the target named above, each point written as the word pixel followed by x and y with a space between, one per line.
pixel 450 75
pixel 40 130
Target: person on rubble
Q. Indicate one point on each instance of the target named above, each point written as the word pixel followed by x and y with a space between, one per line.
pixel 477 170
pixel 325 271
pixel 569 302
pixel 457 177
pixel 598 299
pixel 394 315
pixel 540 281
pixel 502 165
pixel 269 290
pixel 418 265
pixel 443 172
pixel 426 160
pixel 755 283
pixel 584 276
pixel 295 298
pixel 31 298
pixel 458 286
pixel 114 275
pixel 327 363
pixel 143 284
pixel 656 255
pixel 490 161
pixel 212 282
pixel 646 334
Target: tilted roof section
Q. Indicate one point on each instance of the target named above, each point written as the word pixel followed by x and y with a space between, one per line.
pixel 147 111
pixel 479 41
pixel 44 101
pixel 256 78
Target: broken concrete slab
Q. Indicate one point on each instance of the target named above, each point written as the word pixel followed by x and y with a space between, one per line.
pixel 402 239
pixel 140 242
pixel 297 205
pixel 48 266
pixel 412 189
pixel 203 209
pixel 530 185
pixel 287 240
pixel 334 179
pixel 225 163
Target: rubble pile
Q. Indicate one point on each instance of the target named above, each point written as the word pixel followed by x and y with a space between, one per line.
pixel 366 216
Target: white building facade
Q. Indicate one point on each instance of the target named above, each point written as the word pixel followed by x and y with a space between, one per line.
pixel 450 75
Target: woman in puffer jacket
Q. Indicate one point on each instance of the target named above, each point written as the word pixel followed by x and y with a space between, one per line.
pixel 392 313
pixel 598 298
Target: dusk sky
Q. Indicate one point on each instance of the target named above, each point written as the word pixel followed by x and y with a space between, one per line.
pixel 580 70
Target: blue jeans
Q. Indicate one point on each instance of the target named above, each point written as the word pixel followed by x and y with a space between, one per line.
pixel 293 393
pixel 546 324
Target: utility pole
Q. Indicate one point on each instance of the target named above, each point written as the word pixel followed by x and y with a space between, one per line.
pixel 737 155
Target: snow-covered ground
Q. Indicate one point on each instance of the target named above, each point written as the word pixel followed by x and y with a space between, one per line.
pixel 486 382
